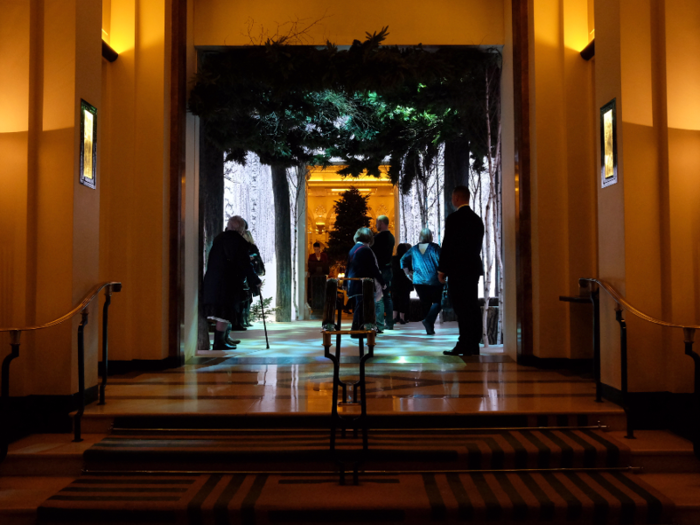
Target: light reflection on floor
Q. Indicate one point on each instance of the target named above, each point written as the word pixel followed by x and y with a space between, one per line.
pixel 409 375
pixel 300 341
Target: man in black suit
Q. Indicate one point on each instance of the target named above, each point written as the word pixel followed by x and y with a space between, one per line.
pixel 460 261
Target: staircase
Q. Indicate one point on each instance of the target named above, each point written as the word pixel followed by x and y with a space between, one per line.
pixel 221 470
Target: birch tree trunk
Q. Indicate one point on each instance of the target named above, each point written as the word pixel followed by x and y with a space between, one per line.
pixel 283 244
pixel 298 203
pixel 498 222
pixel 489 216
pixel 293 180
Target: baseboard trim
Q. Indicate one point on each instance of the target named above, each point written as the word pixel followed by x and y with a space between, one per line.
pixel 140 365
pixel 654 410
pixel 556 363
pixel 39 414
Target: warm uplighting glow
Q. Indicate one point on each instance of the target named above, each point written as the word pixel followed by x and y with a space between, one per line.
pixel 361 190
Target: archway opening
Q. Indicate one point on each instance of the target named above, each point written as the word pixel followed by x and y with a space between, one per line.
pixel 424 129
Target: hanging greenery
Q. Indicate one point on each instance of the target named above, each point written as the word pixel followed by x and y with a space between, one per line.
pixel 365 106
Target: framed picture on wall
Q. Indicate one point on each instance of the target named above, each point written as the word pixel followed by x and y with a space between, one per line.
pixel 608 144
pixel 88 144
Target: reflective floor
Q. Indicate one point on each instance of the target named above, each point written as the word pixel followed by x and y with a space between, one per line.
pixel 408 375
pixel 300 342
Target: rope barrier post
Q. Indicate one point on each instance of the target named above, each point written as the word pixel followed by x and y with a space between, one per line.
pixel 623 366
pixel 105 359
pixel 689 337
pixel 595 300
pixel 14 353
pixel 81 376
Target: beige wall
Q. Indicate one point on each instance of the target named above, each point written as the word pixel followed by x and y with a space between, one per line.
pixel 562 176
pixel 50 243
pixel 682 264
pixel 134 221
pixel 446 22
pixel 646 53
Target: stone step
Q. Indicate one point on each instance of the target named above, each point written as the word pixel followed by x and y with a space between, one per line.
pixel 56 455
pixel 399 450
pixel 418 498
pixel 20 497
pixel 101 423
pixel 660 451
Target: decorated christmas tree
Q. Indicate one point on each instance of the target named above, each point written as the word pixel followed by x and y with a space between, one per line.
pixel 350 214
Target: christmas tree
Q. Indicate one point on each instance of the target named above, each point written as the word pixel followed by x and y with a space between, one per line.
pixel 350 215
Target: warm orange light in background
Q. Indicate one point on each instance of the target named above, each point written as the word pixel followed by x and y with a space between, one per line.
pixel 361 190
pixel 121 44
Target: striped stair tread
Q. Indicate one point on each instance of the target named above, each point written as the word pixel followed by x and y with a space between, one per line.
pixel 309 451
pixel 261 499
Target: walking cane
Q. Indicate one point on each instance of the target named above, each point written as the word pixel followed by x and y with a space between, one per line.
pixel 262 308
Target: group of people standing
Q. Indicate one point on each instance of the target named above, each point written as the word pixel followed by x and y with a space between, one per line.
pixel 235 266
pixel 427 267
pixel 231 280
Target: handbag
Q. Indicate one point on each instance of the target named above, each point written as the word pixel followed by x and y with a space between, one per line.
pixel 258 266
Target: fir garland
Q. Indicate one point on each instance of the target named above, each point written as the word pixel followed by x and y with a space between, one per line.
pixel 296 105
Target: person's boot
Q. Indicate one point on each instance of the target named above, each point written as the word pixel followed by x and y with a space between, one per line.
pixel 220 343
pixel 227 339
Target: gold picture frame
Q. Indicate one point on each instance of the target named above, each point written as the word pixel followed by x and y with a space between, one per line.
pixel 608 144
pixel 88 145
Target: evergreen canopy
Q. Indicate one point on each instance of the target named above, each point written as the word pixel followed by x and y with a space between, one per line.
pixel 296 105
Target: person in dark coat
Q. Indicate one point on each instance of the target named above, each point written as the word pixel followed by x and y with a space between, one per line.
pixel 228 268
pixel 383 249
pixel 461 266
pixel 401 286
pixel 362 263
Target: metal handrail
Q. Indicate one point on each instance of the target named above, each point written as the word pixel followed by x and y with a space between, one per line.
pixel 627 306
pixel 89 297
pixel 15 337
pixel 587 292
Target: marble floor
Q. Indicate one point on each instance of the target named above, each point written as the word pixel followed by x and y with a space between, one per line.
pixel 409 374
pixel 300 341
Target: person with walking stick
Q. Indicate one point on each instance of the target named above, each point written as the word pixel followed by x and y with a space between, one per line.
pixel 228 267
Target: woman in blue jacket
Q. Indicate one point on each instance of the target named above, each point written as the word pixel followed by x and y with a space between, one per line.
pixel 420 264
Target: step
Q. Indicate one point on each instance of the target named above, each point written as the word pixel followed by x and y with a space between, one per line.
pixel 684 489
pixel 404 450
pixel 47 455
pixel 505 498
pixel 102 423
pixel 660 451
pixel 21 496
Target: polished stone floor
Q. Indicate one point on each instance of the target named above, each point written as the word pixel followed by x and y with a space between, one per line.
pixel 300 342
pixel 409 374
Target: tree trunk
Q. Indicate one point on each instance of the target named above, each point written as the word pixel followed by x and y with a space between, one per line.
pixel 211 216
pixel 456 169
pixel 283 244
